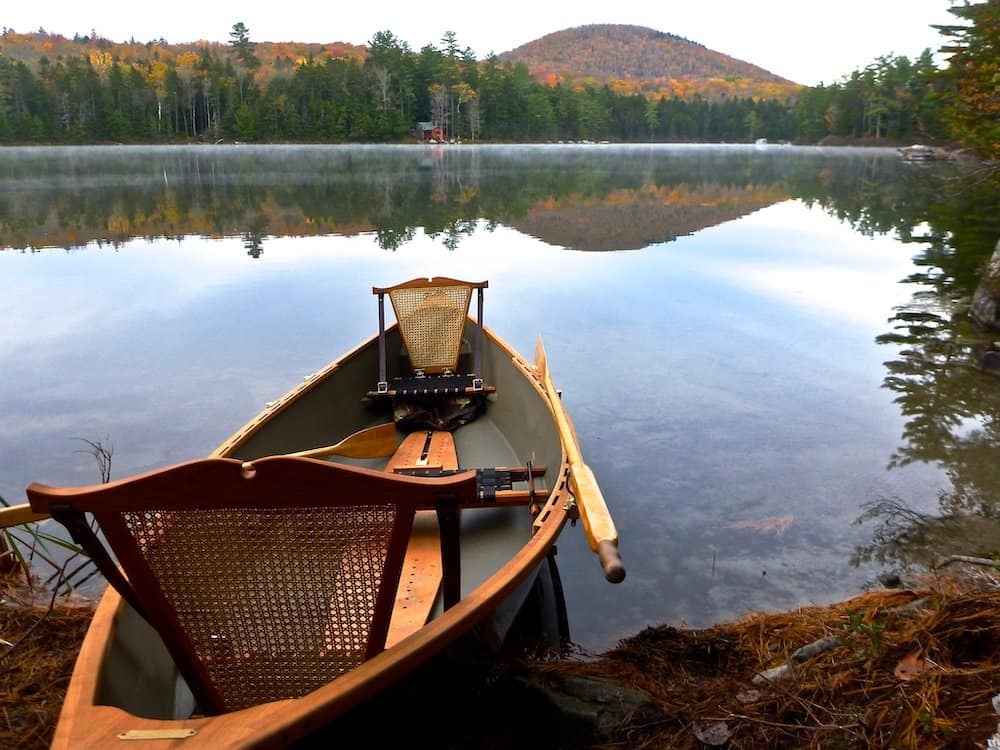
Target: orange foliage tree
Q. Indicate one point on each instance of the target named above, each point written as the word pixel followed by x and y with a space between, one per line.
pixel 974 69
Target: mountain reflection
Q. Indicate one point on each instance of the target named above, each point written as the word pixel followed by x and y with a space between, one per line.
pixel 592 197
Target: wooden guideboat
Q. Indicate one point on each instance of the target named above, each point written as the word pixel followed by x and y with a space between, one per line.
pixel 364 522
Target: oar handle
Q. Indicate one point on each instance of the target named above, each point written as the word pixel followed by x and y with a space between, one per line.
pixel 326 450
pixel 597 522
pixel 611 561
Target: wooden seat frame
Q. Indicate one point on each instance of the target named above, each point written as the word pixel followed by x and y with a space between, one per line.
pixel 432 382
pixel 277 484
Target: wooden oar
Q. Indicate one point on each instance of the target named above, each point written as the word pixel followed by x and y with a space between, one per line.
pixel 16 515
pixel 597 522
pixel 371 442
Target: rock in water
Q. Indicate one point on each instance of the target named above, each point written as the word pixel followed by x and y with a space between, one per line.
pixel 990 362
pixel 986 301
pixel 594 706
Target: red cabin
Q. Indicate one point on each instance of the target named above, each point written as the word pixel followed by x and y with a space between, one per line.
pixel 428 131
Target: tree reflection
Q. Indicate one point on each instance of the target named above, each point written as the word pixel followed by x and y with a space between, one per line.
pixel 587 198
pixel 253 237
pixel 393 238
pixel 952 409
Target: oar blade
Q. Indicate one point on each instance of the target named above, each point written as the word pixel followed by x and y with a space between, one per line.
pixel 541 360
pixel 597 522
pixel 374 442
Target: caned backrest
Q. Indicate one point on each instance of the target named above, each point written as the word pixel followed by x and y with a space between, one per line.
pixel 265 580
pixel 431 314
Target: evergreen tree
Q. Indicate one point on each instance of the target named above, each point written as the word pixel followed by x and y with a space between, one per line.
pixel 974 72
pixel 389 69
pixel 239 40
pixel 203 93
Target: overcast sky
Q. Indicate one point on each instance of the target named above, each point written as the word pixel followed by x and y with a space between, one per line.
pixel 805 41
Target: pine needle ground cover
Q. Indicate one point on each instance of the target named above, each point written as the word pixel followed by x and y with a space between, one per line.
pixel 38 647
pixel 889 669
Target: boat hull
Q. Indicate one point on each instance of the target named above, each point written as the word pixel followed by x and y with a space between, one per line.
pixel 125 681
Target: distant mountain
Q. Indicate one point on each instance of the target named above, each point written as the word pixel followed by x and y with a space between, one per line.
pixel 636 58
pixel 626 58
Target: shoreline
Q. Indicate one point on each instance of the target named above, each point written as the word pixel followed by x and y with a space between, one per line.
pixel 909 667
pixel 826 142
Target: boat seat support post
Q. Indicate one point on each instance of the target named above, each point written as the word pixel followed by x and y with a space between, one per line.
pixel 449 518
pixel 477 367
pixel 81 533
pixel 383 380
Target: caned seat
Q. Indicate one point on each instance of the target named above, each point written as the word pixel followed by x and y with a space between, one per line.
pixel 265 580
pixel 431 320
pixel 432 315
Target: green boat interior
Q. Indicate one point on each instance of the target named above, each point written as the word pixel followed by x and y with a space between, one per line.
pixel 460 400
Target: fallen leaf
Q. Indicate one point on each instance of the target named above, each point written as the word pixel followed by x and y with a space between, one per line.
pixel 910 666
pixel 717 733
pixel 777 524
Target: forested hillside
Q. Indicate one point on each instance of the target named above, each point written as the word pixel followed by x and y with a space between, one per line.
pixel 635 58
pixel 273 57
pixel 93 90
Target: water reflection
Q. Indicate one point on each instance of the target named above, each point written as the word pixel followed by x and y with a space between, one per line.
pixel 585 197
pixel 739 391
pixel 951 408
pixel 253 238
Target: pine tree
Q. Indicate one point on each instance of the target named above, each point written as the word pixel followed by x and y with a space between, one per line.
pixel 239 40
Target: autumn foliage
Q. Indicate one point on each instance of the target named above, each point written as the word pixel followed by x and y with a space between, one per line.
pixel 635 59
pixel 974 71
pixel 602 82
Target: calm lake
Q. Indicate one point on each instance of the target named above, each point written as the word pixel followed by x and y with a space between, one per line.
pixel 766 350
